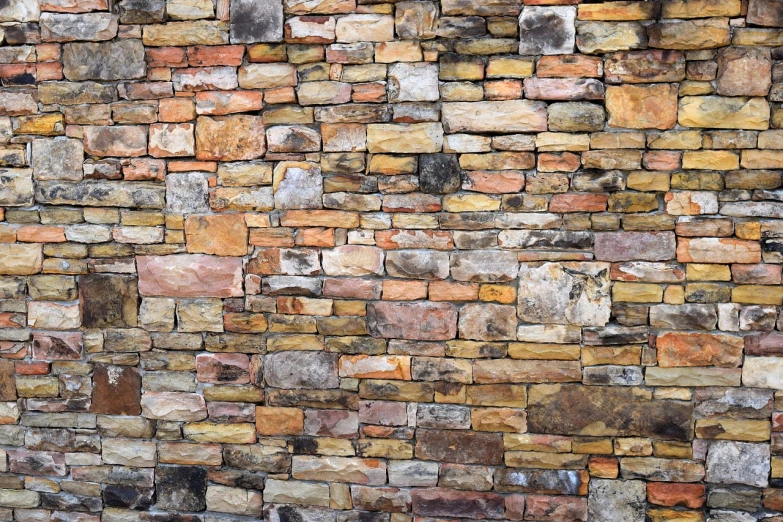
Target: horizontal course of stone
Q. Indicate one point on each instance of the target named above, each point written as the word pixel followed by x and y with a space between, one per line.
pixel 391 260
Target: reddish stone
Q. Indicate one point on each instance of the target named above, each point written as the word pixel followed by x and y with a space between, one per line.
pixel 573 202
pixel 769 343
pixel 116 390
pixel 494 181
pixel 228 102
pixel 629 246
pixel 186 275
pixel 205 56
pixel 570 65
pixel 756 274
pixel 461 447
pixel 123 140
pixel 145 169
pixel 32 368
pixel 556 509
pixel 515 507
pixel 670 495
pixel 563 89
pixel 424 321
pixel 352 288
pixel 57 346
pixel 442 502
pixel 230 138
pixel 39 463
pixel 223 368
pixel 699 349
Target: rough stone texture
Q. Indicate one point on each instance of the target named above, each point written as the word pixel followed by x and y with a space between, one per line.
pixel 391 261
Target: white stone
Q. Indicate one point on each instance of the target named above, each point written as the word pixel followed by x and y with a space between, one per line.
pixel 413 82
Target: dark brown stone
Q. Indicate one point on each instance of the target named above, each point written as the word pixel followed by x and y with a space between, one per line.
pixel 108 300
pixel 116 390
pixel 576 410
pixel 442 502
pixel 7 381
pixel 461 447
pixel 181 488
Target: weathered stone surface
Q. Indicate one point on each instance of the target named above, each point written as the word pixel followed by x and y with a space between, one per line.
pixel 744 71
pixel 642 107
pixel 230 138
pixel 108 300
pixel 487 322
pixel 484 266
pixel 444 502
pixel 116 390
pixel 117 60
pixel 337 469
pixel 723 112
pixel 575 292
pixel 181 488
pixel 463 447
pixel 413 82
pixel 224 235
pixel 190 276
pixel 58 159
pixel 25 259
pixel 57 27
pixel 115 141
pixel 571 409
pixel 295 370
pixel 414 138
pixel 539 24
pixel 439 173
pixel 614 500
pixel 298 185
pixel 497 117
pixel 418 321
pixel 730 462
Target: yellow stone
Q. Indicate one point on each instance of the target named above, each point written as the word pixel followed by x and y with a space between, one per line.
pixel 707 272
pixel 593 446
pixel 672 450
pixel 510 67
pixel 685 140
pixel 497 293
pixel 386 448
pixel 37 386
pixel 733 429
pixel 637 292
pixel 528 442
pixel 470 203
pixel 710 160
pixel 696 88
pixel 633 446
pixel 51 124
pixel 552 352
pixel 757 294
pixel 618 11
pixel 632 202
pixel 724 112
pixel 673 515
pixel 622 355
pixel 543 460
pixel 700 8
pixel 748 230
pixel 238 433
pixel 197 32
pixel 648 181
pixel 762 159
pixel 674 294
pixel 777 467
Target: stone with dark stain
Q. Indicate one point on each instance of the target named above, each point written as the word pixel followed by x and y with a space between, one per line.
pixel 57 346
pixel 142 11
pixel 116 390
pixel 115 60
pixel 256 21
pixel 108 300
pixel 127 497
pixel 606 411
pixel 460 446
pixel 439 173
pixel 443 502
pixel 181 488
pixel 547 30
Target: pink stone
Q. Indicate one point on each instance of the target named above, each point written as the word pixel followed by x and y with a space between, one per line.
pixel 423 321
pixel 352 288
pixel 223 368
pixel 564 89
pixel 190 275
pixel 57 346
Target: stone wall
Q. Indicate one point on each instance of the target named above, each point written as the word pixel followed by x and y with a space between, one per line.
pixel 391 261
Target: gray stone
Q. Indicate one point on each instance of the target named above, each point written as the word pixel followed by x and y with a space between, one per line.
pixel 116 60
pixel 407 473
pixel 733 403
pixel 439 173
pixel 294 370
pixel 58 159
pixel 547 30
pixel 617 500
pixel 290 512
pixel 546 239
pixel 573 292
pixel 16 187
pixel 634 246
pixel 730 516
pixel 443 416
pixel 256 21
pixel 417 264
pixel 66 27
pixel 101 194
pixel 730 462
pixel 291 285
pixel 142 11
pixel 545 481
pixel 613 375
pixel 298 185
pixel 576 117
pixel 487 322
pixel 485 266
pixel 684 317
pixel 413 82
pixel 187 192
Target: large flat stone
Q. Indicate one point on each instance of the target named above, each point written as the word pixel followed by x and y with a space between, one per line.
pixel 413 320
pixel 495 116
pixel 116 60
pixel 190 275
pixel 296 370
pixel 256 21
pixel 576 293
pixel 604 411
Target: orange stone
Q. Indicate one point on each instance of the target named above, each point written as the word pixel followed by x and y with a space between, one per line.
pixel 40 234
pixel 670 495
pixel 273 421
pixel 396 290
pixel 642 106
pixel 699 349
pixel 224 234
pixel 574 202
pixel 448 291
pixel 494 181
pixel 376 367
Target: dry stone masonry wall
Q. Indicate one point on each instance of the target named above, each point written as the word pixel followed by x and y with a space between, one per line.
pixel 391 261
